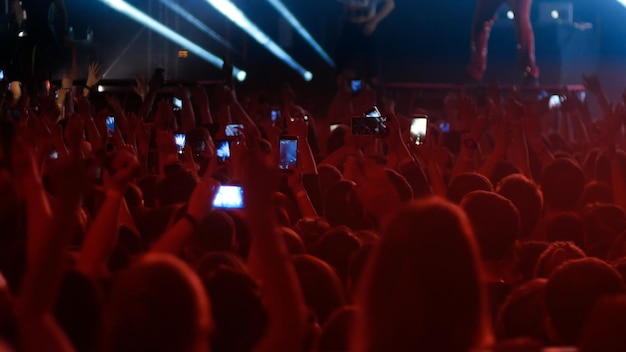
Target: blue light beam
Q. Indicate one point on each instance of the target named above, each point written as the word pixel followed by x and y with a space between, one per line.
pixel 295 24
pixel 233 13
pixel 195 22
pixel 139 16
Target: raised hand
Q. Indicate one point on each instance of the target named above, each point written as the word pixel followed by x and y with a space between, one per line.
pixel 93 75
pixel 141 86
pixel 123 169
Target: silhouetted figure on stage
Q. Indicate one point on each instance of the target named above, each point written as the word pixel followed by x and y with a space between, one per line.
pixel 42 29
pixel 484 17
pixel 357 41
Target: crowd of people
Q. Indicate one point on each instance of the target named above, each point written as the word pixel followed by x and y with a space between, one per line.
pixel 503 231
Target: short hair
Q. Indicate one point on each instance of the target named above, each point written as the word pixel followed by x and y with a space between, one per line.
pixel 556 254
pixel 495 221
pixel 335 334
pixel 527 254
pixel 604 330
pixel 176 187
pixel 400 184
pixel 311 230
pixel 596 192
pixel 566 227
pixel 527 198
pixel 503 169
pixel 214 234
pixel 572 290
pixel 524 312
pixel 603 223
pixel 328 175
pixel 562 184
pixel 466 183
pixel 292 240
pixel 336 247
pixel 321 287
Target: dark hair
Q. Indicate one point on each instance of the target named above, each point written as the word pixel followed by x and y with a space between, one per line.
pixel 573 288
pixel 292 240
pixel 524 312
pixel 342 207
pixel 495 221
pixel 526 197
pixel 596 192
pixel 556 254
pixel 401 185
pixel 566 227
pixel 176 187
pixel 562 184
pixel 336 247
pixel 503 169
pixel 527 254
pixel 466 183
pixel 328 175
pixel 311 230
pixel 335 334
pixel 603 223
pixel 604 330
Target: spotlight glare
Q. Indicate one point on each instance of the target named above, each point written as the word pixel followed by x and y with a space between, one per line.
pixel 195 22
pixel 21 33
pixel 139 16
pixel 308 76
pixel 289 17
pixel 510 15
pixel 554 14
pixel 100 89
pixel 241 76
pixel 228 9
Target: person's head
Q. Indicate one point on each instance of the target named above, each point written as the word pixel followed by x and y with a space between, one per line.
pixel 237 310
pixel 292 240
pixel 573 289
pixel 604 330
pixel 596 192
pixel 495 221
pixel 311 230
pixel 523 314
pixel 342 207
pixel 216 233
pixel 603 223
pixel 423 282
pixel 322 289
pixel 336 138
pixel 527 255
pixel 562 184
pixel 566 227
pixel 504 168
pixel 215 260
pixel 176 187
pixel 466 183
pixel 618 249
pixel 401 185
pixel 336 247
pixel 158 304
pixel 335 334
pixel 526 197
pixel 328 175
pixel 556 254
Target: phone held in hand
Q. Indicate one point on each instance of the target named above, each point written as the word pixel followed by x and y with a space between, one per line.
pixel 228 197
pixel 110 122
pixel 369 126
pixel 275 114
pixel 288 152
pixel 444 126
pixel 419 127
pixel 356 86
pixel 177 104
pixel 181 141
pixel 555 102
pixel 373 112
pixel 222 151
pixel 233 130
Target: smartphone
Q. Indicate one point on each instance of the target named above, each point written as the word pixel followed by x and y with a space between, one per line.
pixel 229 197
pixel 288 152
pixel 54 155
pixel 56 94
pixel 275 114
pixel 1 75
pixel 356 85
pixel 177 104
pixel 233 130
pixel 367 126
pixel 555 102
pixel 181 141
pixel 333 126
pixel 419 126
pixel 110 121
pixel 373 112
pixel 222 151
pixel 444 126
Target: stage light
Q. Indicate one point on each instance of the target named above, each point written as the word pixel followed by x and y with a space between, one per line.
pixel 293 21
pixel 228 9
pixel 139 16
pixel 100 89
pixel 21 33
pixel 555 14
pixel 308 76
pixel 241 76
pixel 195 22
pixel 623 2
pixel 510 15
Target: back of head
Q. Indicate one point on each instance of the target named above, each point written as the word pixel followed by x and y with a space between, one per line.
pixel 603 223
pixel 336 332
pixel 495 221
pixel 176 187
pixel 556 254
pixel 336 247
pixel 524 312
pixel 596 192
pixel 215 233
pixel 466 183
pixel 423 284
pixel 341 206
pixel 604 330
pixel 238 312
pixel 562 184
pixel 401 185
pixel 215 260
pixel 526 197
pixel 573 288
pixel 566 227
pixel 311 230
pixel 292 240
pixel 527 254
pixel 336 138
pixel 503 169
pixel 158 304
pixel 328 175
pixel 320 285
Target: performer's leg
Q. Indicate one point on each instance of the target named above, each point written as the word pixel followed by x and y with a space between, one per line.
pixel 481 28
pixel 525 37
